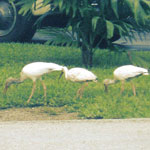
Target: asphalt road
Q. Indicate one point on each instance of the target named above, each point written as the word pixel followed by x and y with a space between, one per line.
pixel 132 134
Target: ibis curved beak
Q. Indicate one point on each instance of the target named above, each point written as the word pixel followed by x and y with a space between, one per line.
pixel 60 75
pixel 9 81
pixel 5 90
pixel 106 88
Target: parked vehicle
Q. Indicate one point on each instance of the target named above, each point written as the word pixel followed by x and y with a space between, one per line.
pixel 13 27
pixel 16 27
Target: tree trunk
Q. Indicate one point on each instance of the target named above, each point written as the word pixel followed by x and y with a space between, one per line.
pixel 84 55
pixel 91 59
pixel 87 56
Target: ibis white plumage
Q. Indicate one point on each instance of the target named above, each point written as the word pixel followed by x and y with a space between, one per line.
pixel 124 73
pixel 34 71
pixel 79 75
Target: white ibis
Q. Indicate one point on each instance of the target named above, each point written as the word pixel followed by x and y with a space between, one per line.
pixel 124 73
pixel 33 71
pixel 79 75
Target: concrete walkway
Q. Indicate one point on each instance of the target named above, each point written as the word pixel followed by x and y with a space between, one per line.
pixel 128 134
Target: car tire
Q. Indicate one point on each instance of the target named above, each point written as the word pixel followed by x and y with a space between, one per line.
pixel 13 26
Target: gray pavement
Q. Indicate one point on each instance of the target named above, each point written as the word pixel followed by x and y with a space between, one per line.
pixel 128 134
pixel 141 42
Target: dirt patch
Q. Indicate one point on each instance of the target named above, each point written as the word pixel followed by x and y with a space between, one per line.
pixel 36 113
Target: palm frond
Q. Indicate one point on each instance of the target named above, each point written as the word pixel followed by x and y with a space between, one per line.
pixel 59 36
pixel 25 6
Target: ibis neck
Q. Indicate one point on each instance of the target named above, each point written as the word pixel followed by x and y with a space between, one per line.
pixel 10 81
pixel 65 70
pixel 108 82
pixel 112 81
pixel 14 81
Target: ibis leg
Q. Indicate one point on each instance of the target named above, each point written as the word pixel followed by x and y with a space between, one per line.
pixel 44 87
pixel 122 87
pixel 133 88
pixel 80 91
pixel 33 89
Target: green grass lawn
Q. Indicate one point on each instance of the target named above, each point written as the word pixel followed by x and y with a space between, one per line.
pixel 95 103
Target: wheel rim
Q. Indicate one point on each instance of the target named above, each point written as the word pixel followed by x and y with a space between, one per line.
pixel 8 17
